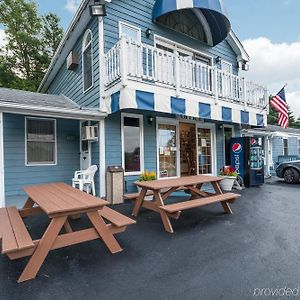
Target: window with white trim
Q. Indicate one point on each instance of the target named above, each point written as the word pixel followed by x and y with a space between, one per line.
pixel 132 144
pixel 285 147
pixel 87 61
pixel 130 31
pixel 40 141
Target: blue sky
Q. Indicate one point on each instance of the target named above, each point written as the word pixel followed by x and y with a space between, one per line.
pixel 277 20
pixel 269 30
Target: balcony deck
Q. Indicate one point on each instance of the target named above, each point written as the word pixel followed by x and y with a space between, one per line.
pixel 131 61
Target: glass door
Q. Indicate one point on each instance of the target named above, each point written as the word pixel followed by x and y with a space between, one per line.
pixel 205 152
pixel 167 150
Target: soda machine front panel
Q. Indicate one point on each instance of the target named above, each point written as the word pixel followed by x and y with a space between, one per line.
pixel 237 146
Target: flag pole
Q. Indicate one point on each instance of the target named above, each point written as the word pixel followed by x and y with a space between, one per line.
pixel 277 93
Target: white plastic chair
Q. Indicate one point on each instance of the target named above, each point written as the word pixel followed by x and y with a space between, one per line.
pixel 85 178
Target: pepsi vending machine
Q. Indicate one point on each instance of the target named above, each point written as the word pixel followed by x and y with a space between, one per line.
pixel 247 157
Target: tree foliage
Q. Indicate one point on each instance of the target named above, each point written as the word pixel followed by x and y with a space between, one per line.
pixel 31 43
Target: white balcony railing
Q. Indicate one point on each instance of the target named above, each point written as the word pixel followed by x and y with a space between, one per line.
pixel 128 60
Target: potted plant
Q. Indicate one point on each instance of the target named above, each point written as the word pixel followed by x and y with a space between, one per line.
pixel 229 175
pixel 146 176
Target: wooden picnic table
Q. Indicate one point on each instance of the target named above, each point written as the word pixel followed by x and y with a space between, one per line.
pixel 163 188
pixel 59 201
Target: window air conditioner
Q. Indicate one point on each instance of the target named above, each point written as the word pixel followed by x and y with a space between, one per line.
pixel 89 133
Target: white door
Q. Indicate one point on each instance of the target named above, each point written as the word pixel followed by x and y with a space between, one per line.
pixel 85 151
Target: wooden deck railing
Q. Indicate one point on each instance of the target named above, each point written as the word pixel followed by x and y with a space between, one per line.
pixel 129 60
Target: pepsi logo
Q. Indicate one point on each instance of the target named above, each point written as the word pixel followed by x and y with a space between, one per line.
pixel 253 142
pixel 237 148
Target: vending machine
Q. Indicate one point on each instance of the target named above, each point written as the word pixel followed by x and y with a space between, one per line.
pixel 247 157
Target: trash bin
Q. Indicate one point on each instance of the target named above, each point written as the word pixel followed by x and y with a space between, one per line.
pixel 115 184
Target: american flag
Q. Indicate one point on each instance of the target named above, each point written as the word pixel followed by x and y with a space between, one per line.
pixel 280 104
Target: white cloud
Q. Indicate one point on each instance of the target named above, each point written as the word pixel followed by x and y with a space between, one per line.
pixel 274 65
pixel 72 5
pixel 2 38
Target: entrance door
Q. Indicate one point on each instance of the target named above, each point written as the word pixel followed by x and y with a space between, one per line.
pixel 205 151
pixel 228 134
pixel 188 149
pixel 167 150
pixel 85 153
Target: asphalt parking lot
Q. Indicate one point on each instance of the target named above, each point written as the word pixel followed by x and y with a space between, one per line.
pixel 210 256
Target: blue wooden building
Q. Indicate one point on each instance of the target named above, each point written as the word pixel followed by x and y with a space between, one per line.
pixel 161 82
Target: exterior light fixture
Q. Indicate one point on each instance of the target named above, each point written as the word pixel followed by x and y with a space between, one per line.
pixel 150 120
pixel 98 9
pixel 218 59
pixel 148 33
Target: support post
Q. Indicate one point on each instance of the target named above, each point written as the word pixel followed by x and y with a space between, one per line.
pixel 124 59
pixel 177 75
pixel 215 71
pixel 2 192
pixel 245 93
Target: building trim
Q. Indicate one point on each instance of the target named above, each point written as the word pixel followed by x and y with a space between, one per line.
pixel 102 157
pixel 142 154
pixel 84 48
pixel 2 187
pixel 67 113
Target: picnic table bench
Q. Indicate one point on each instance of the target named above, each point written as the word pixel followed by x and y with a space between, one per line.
pixel 59 201
pixel 163 189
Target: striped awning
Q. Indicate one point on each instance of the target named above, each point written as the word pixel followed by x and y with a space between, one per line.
pixel 190 107
pixel 211 14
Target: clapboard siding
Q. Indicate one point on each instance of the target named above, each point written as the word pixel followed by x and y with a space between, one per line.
pixel 293 146
pixel 139 13
pixel 277 148
pixel 70 83
pixel 17 175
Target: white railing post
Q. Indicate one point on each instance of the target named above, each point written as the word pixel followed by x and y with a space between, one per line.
pixel 215 79
pixel 123 61
pixel 177 75
pixel 245 93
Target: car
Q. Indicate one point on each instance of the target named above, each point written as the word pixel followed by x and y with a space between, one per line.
pixel 289 171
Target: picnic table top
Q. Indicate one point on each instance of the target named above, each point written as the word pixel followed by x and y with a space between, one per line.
pixel 177 182
pixel 62 199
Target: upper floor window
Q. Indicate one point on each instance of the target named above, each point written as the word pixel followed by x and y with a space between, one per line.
pixel 40 141
pixel 173 47
pixel 87 60
pixel 184 21
pixel 130 31
pixel 226 66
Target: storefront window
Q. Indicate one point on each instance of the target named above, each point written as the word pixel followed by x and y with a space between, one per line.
pixel 132 144
pixel 205 151
pixel 167 149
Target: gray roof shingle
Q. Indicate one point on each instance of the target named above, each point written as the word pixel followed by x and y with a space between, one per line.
pixel 35 99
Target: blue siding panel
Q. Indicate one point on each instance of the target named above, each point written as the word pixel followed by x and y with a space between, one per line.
pixel 70 83
pixel 17 175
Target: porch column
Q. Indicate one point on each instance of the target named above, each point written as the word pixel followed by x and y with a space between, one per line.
pixel 2 193
pixel 102 165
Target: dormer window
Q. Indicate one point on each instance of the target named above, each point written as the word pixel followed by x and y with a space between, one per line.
pixel 87 61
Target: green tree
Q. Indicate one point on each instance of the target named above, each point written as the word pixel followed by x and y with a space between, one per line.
pixel 31 43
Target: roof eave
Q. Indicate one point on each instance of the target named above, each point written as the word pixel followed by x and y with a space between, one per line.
pixel 67 113
pixel 237 47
